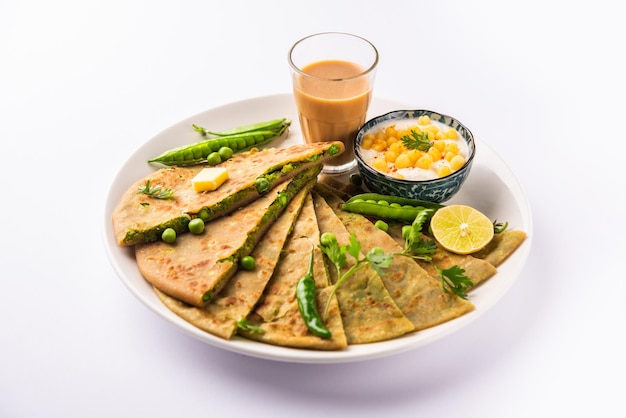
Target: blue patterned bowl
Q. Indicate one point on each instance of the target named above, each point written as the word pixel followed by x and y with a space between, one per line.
pixel 437 190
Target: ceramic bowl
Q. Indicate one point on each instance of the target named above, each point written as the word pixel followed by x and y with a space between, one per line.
pixel 436 190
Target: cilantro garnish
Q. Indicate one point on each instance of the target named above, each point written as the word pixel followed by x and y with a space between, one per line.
pixel 417 140
pixel 244 324
pixel 376 258
pixel 157 191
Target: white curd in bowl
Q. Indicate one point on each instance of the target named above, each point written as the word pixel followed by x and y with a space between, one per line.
pixel 438 136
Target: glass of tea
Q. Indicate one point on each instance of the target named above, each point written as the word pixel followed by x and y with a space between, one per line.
pixel 333 76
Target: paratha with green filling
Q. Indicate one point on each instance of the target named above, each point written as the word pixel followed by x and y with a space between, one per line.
pixel 277 313
pixel 140 218
pixel 417 293
pixel 479 266
pixel 195 267
pixel 236 300
pixel 501 247
pixel 369 312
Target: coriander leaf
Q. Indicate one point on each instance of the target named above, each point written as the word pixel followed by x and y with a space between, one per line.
pixel 375 258
pixel 244 324
pixel 455 281
pixel 156 191
pixel 422 246
pixel 354 248
pixel 334 252
pixel 378 259
pixel 414 239
pixel 419 141
pixel 422 216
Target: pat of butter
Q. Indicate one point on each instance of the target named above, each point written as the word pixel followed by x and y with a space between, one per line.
pixel 209 179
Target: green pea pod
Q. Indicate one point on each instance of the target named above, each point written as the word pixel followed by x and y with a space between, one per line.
pixel 389 207
pixel 307 303
pixel 274 124
pixel 198 152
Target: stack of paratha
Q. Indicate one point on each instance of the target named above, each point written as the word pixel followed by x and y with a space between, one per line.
pixel 198 276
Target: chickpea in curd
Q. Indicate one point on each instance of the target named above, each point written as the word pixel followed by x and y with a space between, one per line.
pixel 424 150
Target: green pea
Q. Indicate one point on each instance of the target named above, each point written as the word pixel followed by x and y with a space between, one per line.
pixel 214 158
pixel 241 143
pixel 327 239
pixel 262 185
pixel 287 168
pixel 383 203
pixel 382 225
pixel 196 226
pixel 169 235
pixel 247 262
pixel 283 199
pixel 204 214
pixel 225 153
pixel 395 205
pixel 370 201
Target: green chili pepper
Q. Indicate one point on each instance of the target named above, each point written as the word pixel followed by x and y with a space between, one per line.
pixel 198 152
pixel 307 303
pixel 389 207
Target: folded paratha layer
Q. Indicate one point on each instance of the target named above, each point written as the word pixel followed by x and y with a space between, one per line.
pixel 368 311
pixel 139 218
pixel 195 267
pixel 277 313
pixel 501 247
pixel 235 301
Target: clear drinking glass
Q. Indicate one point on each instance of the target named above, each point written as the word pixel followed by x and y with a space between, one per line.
pixel 333 76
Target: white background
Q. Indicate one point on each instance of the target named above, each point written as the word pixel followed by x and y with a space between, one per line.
pixel 84 83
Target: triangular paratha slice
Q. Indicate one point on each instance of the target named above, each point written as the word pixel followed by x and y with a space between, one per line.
pixel 369 312
pixel 235 301
pixel 277 313
pixel 501 247
pixel 195 267
pixel 140 218
pixel 417 293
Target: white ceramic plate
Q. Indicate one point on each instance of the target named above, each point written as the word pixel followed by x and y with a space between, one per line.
pixel 491 188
